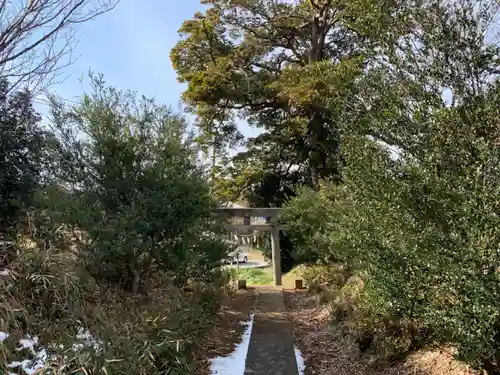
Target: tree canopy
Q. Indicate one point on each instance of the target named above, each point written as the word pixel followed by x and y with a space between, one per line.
pixel 288 67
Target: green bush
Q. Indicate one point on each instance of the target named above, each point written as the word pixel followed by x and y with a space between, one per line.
pixel 361 312
pixel 23 155
pixel 309 216
pixel 287 254
pixel 119 240
pixel 47 291
pixel 141 199
pixel 334 275
pixel 427 241
pixel 347 301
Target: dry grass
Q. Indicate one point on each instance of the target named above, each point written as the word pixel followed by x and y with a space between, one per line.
pixel 327 351
pixel 50 295
pixel 130 323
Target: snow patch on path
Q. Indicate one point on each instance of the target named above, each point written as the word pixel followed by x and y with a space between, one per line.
pixel 300 360
pixel 235 363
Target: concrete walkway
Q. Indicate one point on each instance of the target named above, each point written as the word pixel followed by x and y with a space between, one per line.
pixel 271 347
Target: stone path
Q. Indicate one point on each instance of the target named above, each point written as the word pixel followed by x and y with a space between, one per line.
pixel 271 348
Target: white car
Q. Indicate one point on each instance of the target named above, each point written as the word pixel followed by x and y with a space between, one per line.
pixel 237 257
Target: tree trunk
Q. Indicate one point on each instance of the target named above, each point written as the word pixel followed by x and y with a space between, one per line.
pixel 314 176
pixel 315 149
pixel 214 159
pixel 490 368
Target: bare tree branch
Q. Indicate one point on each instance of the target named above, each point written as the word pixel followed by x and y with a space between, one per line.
pixel 37 38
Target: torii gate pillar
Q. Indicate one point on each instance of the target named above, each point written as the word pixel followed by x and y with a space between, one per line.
pixel 276 254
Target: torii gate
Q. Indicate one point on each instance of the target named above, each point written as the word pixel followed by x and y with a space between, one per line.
pixel 273 227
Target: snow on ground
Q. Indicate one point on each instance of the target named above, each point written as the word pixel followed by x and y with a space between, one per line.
pixel 235 363
pixel 30 366
pixel 300 360
pixel 3 336
pixel 39 354
pixel 86 340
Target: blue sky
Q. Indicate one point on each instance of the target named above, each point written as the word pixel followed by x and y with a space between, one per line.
pixel 131 47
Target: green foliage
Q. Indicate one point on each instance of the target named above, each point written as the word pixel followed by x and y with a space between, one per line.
pixel 333 275
pixel 291 69
pixel 117 237
pixel 417 211
pixel 22 142
pixel 138 194
pixel 347 303
pixel 280 66
pixel 309 216
pixel 254 276
pixel 287 256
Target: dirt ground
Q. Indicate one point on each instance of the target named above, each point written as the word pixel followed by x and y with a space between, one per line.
pixel 328 352
pixel 227 330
